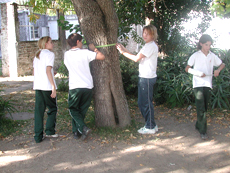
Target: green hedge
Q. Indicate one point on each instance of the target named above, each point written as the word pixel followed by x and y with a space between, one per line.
pixel 174 85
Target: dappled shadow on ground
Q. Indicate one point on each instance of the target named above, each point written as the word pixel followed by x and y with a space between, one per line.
pixel 176 148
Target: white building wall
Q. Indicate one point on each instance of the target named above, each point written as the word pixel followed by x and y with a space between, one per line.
pixel 53 29
pixel 53 25
pixel 8 41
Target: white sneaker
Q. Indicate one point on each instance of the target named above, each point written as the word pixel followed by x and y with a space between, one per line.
pixel 141 129
pixel 144 130
pixel 52 136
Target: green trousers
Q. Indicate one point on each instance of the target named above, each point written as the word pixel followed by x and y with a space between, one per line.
pixel 79 102
pixel 202 95
pixel 43 100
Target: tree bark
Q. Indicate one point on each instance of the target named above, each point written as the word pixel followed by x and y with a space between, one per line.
pixel 99 24
pixel 61 34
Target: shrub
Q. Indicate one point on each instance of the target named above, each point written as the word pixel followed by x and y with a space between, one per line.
pixel 129 72
pixel 63 86
pixel 174 85
pixel 62 70
pixel 5 123
pixel 5 106
pixel 221 90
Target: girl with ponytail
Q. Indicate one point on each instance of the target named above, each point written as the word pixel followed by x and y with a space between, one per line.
pixel 45 89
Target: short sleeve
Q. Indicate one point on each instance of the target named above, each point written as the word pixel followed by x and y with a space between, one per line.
pixel 147 50
pixel 217 61
pixel 91 55
pixel 50 59
pixel 191 60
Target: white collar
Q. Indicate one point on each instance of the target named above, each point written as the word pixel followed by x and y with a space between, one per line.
pixel 74 49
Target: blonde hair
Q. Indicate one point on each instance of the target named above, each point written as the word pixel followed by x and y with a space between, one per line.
pixel 42 45
pixel 152 31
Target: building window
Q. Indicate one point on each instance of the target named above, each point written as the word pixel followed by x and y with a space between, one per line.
pixel 34 33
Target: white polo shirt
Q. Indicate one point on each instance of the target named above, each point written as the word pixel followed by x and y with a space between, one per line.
pixel 41 81
pixel 205 64
pixel 77 62
pixel 148 65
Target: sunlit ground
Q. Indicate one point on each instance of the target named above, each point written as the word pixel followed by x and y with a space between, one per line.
pixel 170 153
pixel 25 78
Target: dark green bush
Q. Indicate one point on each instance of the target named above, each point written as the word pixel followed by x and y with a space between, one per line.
pixel 174 85
pixel 6 124
pixel 5 106
pixel 63 86
pixel 129 72
pixel 221 90
pixel 63 71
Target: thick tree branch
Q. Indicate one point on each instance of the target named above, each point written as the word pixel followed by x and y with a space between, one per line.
pixel 111 19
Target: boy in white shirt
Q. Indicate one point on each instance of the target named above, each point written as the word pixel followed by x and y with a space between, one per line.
pixel 203 62
pixel 77 61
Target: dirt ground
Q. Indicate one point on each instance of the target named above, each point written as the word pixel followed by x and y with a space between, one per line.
pixel 176 147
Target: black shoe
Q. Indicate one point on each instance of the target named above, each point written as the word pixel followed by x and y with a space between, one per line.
pixel 38 141
pixel 85 133
pixel 204 136
pixel 77 135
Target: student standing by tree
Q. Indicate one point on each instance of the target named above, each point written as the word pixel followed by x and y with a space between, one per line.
pixel 45 89
pixel 147 58
pixel 203 62
pixel 77 61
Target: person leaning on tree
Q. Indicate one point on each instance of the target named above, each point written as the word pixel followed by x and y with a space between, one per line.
pixel 203 62
pixel 77 61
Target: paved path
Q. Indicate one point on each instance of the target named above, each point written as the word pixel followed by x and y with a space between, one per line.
pixel 16 84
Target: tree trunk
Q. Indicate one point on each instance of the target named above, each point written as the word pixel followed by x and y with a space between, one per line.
pixel 99 24
pixel 61 34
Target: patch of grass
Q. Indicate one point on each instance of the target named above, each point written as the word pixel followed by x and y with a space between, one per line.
pixel 12 127
pixel 2 86
pixel 24 101
pixel 63 85
pixel 64 121
pixel 7 125
pixel 107 133
pixel 128 133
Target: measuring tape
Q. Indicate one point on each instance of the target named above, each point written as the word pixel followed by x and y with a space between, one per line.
pixel 106 45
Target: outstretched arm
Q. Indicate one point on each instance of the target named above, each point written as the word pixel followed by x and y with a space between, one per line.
pixel 50 77
pixel 127 54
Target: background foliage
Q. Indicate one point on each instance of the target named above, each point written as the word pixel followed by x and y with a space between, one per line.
pixel 221 8
pixel 166 15
pixel 174 85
